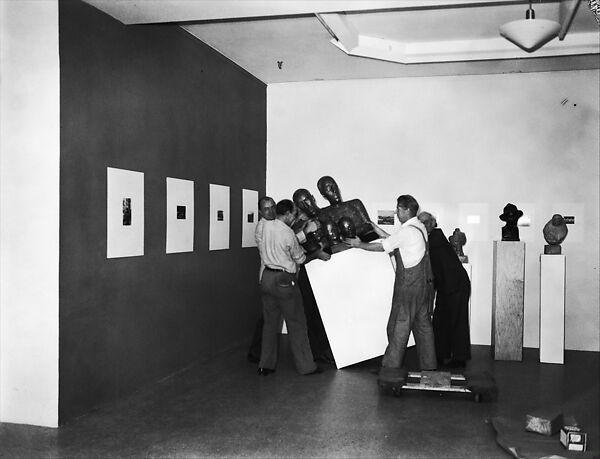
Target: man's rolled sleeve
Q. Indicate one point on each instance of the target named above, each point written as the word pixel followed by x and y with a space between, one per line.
pixel 297 252
pixel 390 243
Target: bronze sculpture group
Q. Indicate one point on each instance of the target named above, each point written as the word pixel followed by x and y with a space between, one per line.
pixel 340 220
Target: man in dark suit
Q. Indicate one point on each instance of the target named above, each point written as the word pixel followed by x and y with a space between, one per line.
pixel 453 289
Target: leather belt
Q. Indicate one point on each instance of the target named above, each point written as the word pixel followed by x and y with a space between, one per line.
pixel 279 270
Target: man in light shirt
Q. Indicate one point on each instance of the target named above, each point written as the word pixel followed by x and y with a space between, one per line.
pixel 413 290
pixel 282 255
pixel 266 210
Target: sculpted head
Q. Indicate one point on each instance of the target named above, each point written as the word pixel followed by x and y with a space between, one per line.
pixel 332 231
pixel 329 189
pixel 511 214
pixel 266 208
pixel 305 201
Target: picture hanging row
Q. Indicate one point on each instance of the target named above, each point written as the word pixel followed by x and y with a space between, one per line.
pixel 125 215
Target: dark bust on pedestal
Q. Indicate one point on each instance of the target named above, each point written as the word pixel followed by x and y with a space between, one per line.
pixel 353 212
pixel 555 232
pixel 457 241
pixel 511 215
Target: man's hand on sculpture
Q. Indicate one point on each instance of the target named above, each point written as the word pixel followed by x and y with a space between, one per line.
pixel 379 231
pixel 352 242
pixel 323 255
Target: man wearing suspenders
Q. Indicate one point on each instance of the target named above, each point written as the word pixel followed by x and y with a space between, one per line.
pixel 412 301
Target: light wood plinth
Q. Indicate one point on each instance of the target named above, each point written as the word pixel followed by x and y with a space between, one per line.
pixel 508 300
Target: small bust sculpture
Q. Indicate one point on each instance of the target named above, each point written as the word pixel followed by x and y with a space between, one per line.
pixel 334 237
pixel 457 241
pixel 354 209
pixel 555 232
pixel 511 215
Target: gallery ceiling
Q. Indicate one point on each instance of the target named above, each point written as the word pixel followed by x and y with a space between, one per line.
pixel 287 40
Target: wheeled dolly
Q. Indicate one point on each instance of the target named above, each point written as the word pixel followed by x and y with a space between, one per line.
pixel 481 386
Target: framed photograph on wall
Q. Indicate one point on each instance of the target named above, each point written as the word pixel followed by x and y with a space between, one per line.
pixel 180 215
pixel 385 217
pixel 218 231
pixel 249 217
pixel 124 213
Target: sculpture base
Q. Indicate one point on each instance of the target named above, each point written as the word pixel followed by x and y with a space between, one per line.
pixel 552 250
pixel 552 308
pixel 508 290
pixel 353 291
pixel 337 248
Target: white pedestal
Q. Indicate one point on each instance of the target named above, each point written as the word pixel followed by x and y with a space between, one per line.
pixel 354 291
pixel 508 300
pixel 552 308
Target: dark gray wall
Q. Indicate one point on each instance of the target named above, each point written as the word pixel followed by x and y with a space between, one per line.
pixel 149 98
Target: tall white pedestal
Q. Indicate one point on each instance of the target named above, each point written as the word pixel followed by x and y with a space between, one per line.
pixel 552 308
pixel 508 300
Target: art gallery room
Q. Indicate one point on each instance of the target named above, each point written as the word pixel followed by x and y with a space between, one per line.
pixel 136 138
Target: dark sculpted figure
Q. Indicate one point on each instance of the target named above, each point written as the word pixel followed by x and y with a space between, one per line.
pixel 348 216
pixel 457 241
pixel 316 240
pixel 555 232
pixel 511 215
pixel 305 202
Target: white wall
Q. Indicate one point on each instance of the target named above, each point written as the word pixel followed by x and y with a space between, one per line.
pixel 29 211
pixel 462 146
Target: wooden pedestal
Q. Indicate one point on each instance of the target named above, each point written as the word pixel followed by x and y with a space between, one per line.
pixel 508 300
pixel 552 308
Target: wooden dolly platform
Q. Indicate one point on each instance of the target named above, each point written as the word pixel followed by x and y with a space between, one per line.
pixel 482 387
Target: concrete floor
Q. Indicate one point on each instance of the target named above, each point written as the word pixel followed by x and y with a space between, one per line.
pixel 222 408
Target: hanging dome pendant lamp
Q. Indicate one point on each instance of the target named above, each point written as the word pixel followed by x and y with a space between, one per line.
pixel 530 33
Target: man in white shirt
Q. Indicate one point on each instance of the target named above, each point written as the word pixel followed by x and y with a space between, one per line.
pixel 282 255
pixel 413 290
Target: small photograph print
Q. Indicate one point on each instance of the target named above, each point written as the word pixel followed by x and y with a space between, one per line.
pixel 126 211
pixel 220 215
pixel 385 217
pixel 250 217
pixel 180 212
